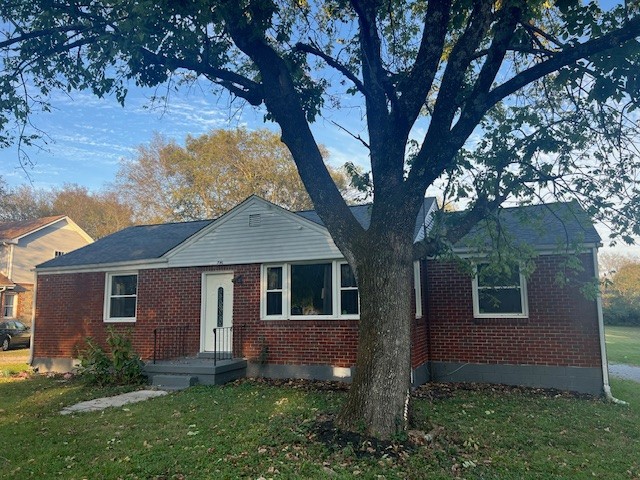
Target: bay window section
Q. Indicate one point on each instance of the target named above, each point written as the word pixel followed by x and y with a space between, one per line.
pixel 321 290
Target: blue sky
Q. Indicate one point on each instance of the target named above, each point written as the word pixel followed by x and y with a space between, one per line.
pixel 87 137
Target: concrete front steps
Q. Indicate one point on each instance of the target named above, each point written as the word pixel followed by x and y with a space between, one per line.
pixel 182 373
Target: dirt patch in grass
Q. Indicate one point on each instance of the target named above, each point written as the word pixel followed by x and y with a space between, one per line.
pixel 429 391
pixel 334 438
pixel 442 391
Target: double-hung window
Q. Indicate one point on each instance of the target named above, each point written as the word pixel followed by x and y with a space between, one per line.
pixel 9 307
pixel 121 297
pixel 349 298
pixel 326 289
pixel 274 291
pixel 499 292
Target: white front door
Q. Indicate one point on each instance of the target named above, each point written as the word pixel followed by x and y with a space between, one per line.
pixel 217 312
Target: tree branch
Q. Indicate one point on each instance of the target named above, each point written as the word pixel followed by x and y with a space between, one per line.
pixel 284 103
pixel 250 90
pixel 40 33
pixel 413 90
pixel 313 50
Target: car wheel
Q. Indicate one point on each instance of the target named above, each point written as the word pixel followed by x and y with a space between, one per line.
pixel 5 344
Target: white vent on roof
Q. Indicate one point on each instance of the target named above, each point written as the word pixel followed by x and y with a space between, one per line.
pixel 255 220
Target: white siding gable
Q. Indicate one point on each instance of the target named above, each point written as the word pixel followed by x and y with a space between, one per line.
pixel 426 216
pixel 39 246
pixel 255 231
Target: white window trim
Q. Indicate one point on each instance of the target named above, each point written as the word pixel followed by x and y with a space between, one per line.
pixel 107 298
pixel 338 300
pixel 14 306
pixel 286 292
pixel 523 300
pixel 417 288
pixel 263 291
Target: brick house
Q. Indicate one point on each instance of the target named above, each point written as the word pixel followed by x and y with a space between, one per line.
pixel 277 290
pixel 23 245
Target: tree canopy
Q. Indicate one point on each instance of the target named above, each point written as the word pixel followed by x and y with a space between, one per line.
pixel 490 100
pixel 210 175
pixel 97 213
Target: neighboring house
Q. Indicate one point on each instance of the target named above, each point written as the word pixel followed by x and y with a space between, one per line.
pixel 25 244
pixel 274 285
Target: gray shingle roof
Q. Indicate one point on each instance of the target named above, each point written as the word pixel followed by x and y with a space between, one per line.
pixel 143 242
pixel 537 225
pixel 362 214
pixel 545 225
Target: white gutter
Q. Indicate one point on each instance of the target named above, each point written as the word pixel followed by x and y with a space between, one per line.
pixel 603 348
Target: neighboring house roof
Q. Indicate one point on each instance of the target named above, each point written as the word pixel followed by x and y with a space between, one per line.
pixel 5 282
pixel 13 231
pixel 142 242
pixel 362 214
pixel 545 225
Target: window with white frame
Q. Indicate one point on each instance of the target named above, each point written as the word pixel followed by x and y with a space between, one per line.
pixel 58 253
pixel 324 289
pixel 121 297
pixel 499 292
pixel 349 297
pixel 274 290
pixel 311 289
pixel 417 288
pixel 9 307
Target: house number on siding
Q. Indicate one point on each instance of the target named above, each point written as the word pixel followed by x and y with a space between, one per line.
pixel 220 305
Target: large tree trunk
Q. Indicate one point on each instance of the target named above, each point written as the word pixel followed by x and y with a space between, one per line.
pixel 379 396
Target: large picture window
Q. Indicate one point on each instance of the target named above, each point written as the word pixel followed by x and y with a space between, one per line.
pixel 499 292
pixel 121 297
pixel 312 289
pixel 309 290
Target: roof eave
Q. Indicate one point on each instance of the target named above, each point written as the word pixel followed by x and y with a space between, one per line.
pixel 102 267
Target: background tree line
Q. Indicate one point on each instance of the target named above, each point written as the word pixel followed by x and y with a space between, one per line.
pixel 167 182
pixel 621 289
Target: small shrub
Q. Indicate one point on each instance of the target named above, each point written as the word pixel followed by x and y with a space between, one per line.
pixel 121 367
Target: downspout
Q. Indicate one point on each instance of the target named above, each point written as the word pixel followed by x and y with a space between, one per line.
pixel 33 315
pixel 603 348
pixel 10 260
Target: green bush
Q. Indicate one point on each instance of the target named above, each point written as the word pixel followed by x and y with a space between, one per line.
pixel 122 366
pixel 621 311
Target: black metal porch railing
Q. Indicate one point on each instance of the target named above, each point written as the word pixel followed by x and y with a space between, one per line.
pixel 226 342
pixel 170 342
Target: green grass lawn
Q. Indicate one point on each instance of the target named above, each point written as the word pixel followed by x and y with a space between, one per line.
pixel 252 429
pixel 623 344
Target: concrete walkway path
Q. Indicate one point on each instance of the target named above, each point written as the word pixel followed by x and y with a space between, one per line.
pixel 628 372
pixel 116 401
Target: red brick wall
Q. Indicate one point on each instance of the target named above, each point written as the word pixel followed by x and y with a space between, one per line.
pixel 562 328
pixel 70 308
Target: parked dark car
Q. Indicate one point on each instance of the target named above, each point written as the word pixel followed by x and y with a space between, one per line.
pixel 13 334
